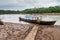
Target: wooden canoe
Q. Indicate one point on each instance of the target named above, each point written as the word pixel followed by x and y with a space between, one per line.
pixel 40 23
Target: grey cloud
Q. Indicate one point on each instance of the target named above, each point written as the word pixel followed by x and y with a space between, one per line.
pixel 23 4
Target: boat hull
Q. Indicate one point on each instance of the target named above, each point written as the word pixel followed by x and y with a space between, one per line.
pixel 47 22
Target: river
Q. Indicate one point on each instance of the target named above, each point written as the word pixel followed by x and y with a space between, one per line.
pixel 14 18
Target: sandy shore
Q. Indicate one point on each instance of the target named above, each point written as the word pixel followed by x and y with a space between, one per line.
pixel 14 31
pixel 48 33
pixel 32 33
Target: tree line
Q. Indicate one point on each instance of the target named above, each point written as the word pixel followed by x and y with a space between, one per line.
pixel 9 12
pixel 55 9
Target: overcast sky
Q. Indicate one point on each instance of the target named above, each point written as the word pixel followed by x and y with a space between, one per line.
pixel 24 4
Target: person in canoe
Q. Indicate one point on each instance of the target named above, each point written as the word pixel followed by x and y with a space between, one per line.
pixel 38 20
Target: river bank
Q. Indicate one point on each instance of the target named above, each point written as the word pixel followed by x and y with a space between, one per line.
pixel 34 13
pixel 46 32
pixel 14 31
pixel 17 31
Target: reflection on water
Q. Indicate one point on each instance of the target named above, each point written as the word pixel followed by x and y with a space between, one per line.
pixel 14 18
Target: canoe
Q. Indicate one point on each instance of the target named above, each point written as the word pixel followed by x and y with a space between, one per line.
pixel 47 22
pixel 40 23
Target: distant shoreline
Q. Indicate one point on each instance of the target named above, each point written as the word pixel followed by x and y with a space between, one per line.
pixel 35 14
pixel 48 14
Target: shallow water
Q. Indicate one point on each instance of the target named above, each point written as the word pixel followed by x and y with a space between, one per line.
pixel 14 18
